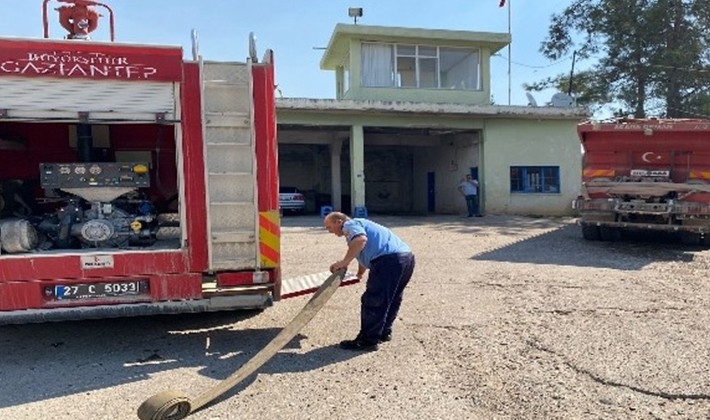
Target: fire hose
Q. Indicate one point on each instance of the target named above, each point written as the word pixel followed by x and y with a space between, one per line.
pixel 175 405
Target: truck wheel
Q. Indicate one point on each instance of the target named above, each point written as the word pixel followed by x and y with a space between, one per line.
pixel 690 238
pixel 607 233
pixel 166 405
pixel 590 232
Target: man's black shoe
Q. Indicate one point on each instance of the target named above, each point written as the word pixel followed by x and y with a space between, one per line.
pixel 358 345
pixel 385 338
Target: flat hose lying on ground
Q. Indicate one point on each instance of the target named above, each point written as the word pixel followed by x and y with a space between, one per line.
pixel 174 405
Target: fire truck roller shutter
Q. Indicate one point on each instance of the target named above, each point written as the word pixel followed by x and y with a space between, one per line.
pixel 107 100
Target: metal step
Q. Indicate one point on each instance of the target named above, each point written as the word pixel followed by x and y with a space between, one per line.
pixel 222 97
pixel 231 178
pixel 233 120
pixel 229 158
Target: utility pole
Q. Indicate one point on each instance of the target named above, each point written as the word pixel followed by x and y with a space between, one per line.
pixel 509 51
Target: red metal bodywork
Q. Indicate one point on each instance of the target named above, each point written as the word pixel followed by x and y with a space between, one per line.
pixel 267 153
pixel 90 61
pixel 646 174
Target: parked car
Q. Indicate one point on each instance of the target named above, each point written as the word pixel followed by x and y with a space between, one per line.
pixel 291 200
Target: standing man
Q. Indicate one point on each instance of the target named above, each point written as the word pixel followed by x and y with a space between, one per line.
pixel 469 189
pixel 391 264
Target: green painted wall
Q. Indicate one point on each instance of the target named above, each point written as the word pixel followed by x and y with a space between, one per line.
pixel 530 143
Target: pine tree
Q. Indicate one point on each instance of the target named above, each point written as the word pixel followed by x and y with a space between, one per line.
pixel 652 56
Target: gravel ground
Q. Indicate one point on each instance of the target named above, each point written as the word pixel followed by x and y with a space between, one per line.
pixel 505 318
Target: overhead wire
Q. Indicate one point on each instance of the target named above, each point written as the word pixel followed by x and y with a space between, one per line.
pixel 533 66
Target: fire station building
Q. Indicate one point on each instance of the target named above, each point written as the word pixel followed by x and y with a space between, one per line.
pixel 412 116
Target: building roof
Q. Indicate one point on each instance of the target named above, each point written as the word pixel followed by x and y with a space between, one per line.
pixel 324 106
pixel 339 43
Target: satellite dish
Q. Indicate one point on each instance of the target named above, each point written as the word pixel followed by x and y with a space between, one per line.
pixel 562 100
pixel 252 48
pixel 531 100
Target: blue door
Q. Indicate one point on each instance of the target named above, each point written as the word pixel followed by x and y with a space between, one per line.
pixel 431 195
pixel 474 173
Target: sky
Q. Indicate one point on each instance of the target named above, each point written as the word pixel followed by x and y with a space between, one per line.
pixel 297 32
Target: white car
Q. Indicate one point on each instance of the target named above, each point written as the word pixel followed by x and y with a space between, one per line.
pixel 291 200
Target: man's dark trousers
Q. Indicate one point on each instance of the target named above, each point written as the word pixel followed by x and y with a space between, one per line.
pixel 389 275
pixel 472 204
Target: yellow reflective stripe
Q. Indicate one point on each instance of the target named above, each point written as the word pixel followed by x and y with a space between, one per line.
pixel 269 238
pixel 699 175
pixel 594 173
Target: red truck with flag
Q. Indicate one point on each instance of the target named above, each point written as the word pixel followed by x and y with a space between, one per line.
pixel 134 181
pixel 645 174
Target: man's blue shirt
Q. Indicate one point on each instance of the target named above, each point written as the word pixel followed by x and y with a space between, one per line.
pixel 380 240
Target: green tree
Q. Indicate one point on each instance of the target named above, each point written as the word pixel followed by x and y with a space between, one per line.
pixel 653 56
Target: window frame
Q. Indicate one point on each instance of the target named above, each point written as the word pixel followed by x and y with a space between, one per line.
pixel 414 51
pixel 548 181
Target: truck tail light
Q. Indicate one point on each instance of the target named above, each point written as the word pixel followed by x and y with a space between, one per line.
pixel 243 278
pixel 260 277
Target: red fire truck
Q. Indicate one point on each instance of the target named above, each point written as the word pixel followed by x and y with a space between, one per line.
pixel 134 182
pixel 645 174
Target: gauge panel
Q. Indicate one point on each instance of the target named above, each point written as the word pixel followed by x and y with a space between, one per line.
pixel 94 174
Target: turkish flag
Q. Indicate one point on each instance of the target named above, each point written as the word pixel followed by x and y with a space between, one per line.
pixel 502 3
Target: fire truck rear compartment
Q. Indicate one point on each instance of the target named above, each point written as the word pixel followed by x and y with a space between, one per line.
pixel 71 186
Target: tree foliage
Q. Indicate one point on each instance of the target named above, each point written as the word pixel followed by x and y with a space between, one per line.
pixel 652 56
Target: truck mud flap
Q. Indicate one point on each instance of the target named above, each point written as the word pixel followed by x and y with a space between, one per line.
pixel 174 405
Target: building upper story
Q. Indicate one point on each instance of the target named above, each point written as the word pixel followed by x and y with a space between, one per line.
pixel 412 65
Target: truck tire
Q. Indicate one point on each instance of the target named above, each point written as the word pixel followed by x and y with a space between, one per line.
pixel 610 234
pixel 590 232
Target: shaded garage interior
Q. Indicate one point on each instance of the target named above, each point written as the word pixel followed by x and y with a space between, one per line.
pixel 406 170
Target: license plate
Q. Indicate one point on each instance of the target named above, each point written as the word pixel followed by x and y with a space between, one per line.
pixel 100 290
pixel 645 172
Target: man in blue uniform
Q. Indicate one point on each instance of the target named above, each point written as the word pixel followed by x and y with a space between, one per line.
pixel 391 264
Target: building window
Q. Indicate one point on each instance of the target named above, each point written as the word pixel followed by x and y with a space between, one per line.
pixel 535 179
pixel 460 69
pixel 346 73
pixel 377 65
pixel 420 66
